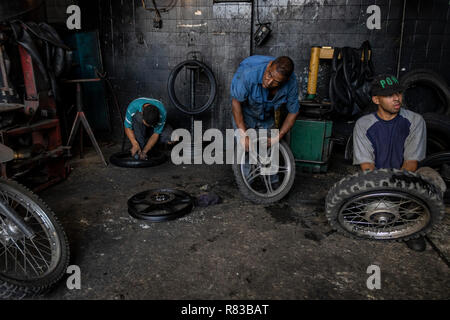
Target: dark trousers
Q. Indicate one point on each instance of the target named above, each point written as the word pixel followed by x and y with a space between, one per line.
pixel 142 133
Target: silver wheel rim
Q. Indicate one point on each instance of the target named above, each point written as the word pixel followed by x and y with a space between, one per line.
pixel 284 170
pixel 25 259
pixel 385 215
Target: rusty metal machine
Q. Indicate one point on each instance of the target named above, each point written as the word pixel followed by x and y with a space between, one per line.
pixel 31 58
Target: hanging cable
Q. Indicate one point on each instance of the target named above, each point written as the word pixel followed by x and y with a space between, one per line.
pixel 168 8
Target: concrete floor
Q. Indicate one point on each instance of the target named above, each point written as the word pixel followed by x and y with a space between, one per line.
pixel 234 250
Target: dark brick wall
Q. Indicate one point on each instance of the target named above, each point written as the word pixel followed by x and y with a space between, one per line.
pixel 139 57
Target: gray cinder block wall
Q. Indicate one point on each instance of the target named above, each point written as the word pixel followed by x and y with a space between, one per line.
pixel 139 57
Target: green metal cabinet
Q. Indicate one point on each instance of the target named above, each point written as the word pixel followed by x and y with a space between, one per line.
pixel 311 144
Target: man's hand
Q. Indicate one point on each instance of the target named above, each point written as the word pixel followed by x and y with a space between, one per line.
pixel 143 155
pixel 245 142
pixel 367 166
pixel 410 165
pixel 135 149
pixel 272 141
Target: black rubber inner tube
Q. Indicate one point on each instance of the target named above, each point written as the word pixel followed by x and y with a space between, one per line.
pixel 350 78
pixel 171 87
pixel 124 159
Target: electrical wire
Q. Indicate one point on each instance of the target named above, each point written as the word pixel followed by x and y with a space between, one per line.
pixel 168 8
pixel 257 12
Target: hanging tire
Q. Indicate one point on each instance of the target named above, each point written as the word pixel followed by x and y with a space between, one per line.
pixel 171 87
pixel 257 187
pixel 438 132
pixel 48 250
pixel 124 159
pixel 426 91
pixel 384 205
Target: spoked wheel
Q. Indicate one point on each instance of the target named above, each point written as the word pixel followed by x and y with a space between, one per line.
pixel 260 180
pixel 384 205
pixel 29 265
pixel 160 205
pixel 384 215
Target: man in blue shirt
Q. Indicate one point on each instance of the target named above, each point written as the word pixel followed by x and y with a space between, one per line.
pixel 145 117
pixel 391 137
pixel 261 85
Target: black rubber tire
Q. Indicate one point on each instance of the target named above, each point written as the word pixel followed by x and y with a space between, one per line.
pixel 13 289
pixel 124 159
pixel 161 217
pixel 429 80
pixel 438 132
pixel 382 180
pixel 248 194
pixel 171 87
pixel 437 161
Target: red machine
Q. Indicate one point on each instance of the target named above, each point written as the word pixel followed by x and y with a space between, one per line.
pixel 30 127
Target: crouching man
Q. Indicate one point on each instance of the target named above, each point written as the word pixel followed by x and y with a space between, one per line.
pixel 145 125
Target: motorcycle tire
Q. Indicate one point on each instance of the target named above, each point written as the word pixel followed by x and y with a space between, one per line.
pixel 383 198
pixel 13 285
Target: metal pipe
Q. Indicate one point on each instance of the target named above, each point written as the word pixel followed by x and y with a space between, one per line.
pixel 6 86
pixel 252 30
pixel 401 39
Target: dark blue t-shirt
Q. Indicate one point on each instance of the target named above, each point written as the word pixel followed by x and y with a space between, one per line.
pixel 388 144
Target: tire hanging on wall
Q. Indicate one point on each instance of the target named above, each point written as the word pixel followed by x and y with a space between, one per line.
pixel 385 204
pixel 171 87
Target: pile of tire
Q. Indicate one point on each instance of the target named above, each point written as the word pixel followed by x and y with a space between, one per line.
pixel 426 92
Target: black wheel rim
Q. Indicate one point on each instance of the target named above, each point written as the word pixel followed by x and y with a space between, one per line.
pixel 160 205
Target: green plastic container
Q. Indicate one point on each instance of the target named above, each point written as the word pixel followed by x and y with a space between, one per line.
pixel 311 144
